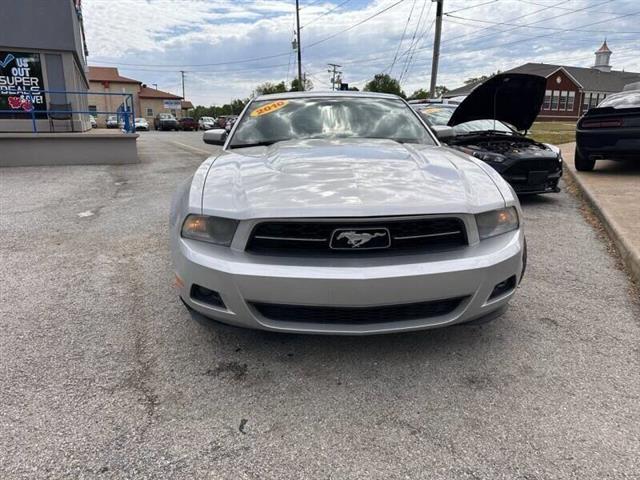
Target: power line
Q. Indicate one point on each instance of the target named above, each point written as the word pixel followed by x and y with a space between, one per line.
pixel 313 44
pixel 414 43
pixel 538 27
pixel 404 31
pixel 230 62
pixel 471 6
pixel 311 4
pixel 325 13
pixel 475 38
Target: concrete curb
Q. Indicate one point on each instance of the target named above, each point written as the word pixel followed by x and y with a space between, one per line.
pixel 629 252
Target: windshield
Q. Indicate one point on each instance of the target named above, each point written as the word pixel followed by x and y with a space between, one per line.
pixel 166 116
pixel 271 121
pixel 440 115
pixel 622 100
pixel 206 119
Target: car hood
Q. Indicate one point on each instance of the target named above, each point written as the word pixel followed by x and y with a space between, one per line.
pixel 513 98
pixel 316 178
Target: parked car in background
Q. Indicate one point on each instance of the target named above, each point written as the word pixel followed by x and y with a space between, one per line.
pixel 339 213
pixel 487 124
pixel 92 119
pixel 112 121
pixel 142 124
pixel 206 123
pixel 230 122
pixel 165 121
pixel 442 101
pixel 188 124
pixel 609 131
pixel 221 121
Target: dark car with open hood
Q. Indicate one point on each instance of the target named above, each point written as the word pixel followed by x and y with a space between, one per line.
pixel 491 124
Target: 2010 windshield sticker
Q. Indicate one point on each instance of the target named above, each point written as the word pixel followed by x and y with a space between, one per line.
pixel 269 108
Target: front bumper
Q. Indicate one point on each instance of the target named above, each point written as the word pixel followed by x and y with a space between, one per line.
pixel 525 178
pixel 244 280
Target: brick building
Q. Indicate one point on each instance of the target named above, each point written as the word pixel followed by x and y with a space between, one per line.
pixel 148 102
pixel 571 91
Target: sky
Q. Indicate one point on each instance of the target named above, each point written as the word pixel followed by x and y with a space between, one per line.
pixel 227 48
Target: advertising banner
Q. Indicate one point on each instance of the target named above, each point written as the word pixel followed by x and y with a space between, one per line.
pixel 21 84
pixel 172 104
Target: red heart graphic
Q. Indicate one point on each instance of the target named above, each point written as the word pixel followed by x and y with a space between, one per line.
pixel 15 102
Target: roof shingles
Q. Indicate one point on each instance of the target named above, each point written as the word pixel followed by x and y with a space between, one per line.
pixel 108 74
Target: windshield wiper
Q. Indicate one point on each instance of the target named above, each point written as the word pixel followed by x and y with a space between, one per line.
pixel 263 143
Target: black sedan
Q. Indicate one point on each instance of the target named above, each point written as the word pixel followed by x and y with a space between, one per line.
pixel 487 125
pixel 610 131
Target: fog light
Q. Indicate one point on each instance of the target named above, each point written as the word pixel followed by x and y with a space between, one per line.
pixel 206 296
pixel 503 287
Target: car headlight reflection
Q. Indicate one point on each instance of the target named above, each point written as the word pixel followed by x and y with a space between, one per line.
pixel 497 222
pixel 216 230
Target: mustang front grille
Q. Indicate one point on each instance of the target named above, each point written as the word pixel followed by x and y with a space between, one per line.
pixel 357 315
pixel 344 236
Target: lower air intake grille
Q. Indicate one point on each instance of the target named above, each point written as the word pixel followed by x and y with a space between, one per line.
pixel 357 315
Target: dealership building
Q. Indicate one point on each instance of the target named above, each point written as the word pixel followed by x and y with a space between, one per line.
pixel 571 91
pixel 42 50
pixel 147 102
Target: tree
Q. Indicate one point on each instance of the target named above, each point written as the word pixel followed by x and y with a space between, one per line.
pixel 383 83
pixel 268 87
pixel 422 93
pixel 308 84
pixel 419 94
pixel 480 79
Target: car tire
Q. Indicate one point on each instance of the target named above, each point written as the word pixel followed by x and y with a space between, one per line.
pixel 582 163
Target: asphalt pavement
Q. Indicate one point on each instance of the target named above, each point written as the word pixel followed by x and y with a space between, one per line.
pixel 105 374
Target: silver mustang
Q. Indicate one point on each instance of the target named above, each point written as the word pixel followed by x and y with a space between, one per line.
pixel 340 213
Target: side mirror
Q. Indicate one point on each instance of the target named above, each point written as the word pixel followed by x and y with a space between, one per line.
pixel 443 132
pixel 217 136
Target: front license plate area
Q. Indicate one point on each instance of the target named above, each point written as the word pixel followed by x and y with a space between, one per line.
pixel 537 177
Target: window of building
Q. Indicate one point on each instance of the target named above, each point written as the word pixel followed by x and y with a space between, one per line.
pixel 571 99
pixel 547 100
pixel 594 100
pixel 149 112
pixel 555 99
pixel 562 105
pixel 93 109
pixel 173 112
pixel 586 101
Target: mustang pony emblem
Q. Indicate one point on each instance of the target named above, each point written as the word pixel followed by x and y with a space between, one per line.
pixel 358 239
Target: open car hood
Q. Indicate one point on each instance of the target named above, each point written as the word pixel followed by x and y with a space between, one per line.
pixel 513 98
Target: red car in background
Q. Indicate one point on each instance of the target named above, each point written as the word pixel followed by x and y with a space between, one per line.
pixel 188 123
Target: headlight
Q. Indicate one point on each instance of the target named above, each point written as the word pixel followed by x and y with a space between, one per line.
pixel 216 230
pixel 489 157
pixel 497 222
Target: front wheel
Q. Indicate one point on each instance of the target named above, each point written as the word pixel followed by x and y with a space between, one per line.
pixel 582 163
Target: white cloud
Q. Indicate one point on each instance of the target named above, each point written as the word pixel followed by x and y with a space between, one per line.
pixel 198 32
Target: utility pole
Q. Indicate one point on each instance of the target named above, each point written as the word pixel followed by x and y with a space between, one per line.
pixel 182 73
pixel 299 45
pixel 436 48
pixel 155 85
pixel 333 71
